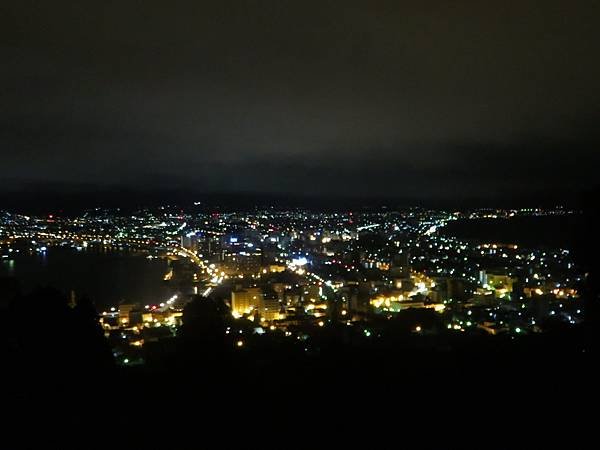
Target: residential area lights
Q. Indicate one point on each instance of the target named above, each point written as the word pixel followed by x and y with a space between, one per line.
pixel 297 271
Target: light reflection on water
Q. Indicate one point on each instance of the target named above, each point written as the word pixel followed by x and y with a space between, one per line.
pixel 106 275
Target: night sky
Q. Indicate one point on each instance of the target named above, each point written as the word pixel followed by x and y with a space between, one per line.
pixel 430 100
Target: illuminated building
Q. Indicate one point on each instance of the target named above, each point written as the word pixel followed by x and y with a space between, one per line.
pixel 317 310
pixel 483 278
pixel 400 303
pixel 246 301
pixel 124 313
pixel 244 262
pixel 271 309
pixel 501 284
pixel 190 241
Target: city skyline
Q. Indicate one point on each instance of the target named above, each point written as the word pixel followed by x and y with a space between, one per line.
pixel 307 218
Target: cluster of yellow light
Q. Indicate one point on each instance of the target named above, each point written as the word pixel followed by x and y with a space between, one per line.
pixel 565 293
pixel 312 306
pixel 387 301
pixel 495 246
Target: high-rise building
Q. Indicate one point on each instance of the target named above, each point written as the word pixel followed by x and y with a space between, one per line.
pixel 400 264
pixel 244 262
pixel 245 301
pixel 483 279
pixel 189 241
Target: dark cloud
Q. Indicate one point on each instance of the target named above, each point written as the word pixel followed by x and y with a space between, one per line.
pixel 427 100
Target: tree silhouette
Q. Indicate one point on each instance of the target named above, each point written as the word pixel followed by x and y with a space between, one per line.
pixel 204 321
pixel 62 339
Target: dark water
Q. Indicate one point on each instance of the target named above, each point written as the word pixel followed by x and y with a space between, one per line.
pixel 106 276
pixel 541 231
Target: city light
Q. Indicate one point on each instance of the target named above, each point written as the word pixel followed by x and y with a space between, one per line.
pixel 285 273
